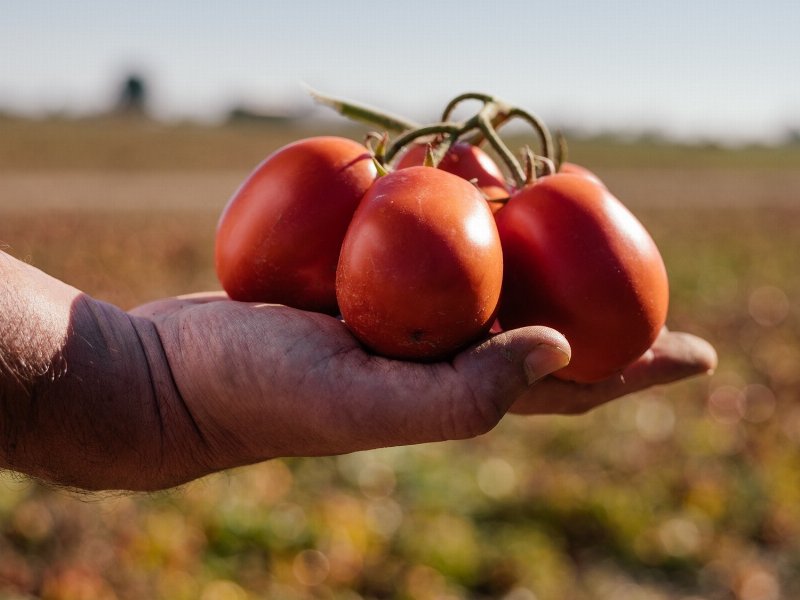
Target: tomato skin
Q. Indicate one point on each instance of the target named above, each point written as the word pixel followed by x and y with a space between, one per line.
pixel 577 260
pixel 279 236
pixel 421 267
pixel 496 205
pixel 466 161
pixel 576 169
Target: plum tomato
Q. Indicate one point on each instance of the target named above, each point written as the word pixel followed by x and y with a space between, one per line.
pixel 466 161
pixel 279 236
pixel 577 260
pixel 576 169
pixel 421 266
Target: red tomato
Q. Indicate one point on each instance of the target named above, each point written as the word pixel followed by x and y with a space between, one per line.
pixel 421 267
pixel 279 236
pixel 577 260
pixel 574 169
pixel 465 160
pixel 495 205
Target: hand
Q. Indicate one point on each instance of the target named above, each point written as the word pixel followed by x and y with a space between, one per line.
pixel 96 398
pixel 672 357
pixel 262 381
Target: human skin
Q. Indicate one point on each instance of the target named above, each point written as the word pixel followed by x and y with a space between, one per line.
pixel 94 397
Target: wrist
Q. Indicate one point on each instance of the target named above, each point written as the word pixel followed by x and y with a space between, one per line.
pixel 86 399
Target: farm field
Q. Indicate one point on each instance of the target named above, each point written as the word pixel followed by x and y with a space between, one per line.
pixel 685 492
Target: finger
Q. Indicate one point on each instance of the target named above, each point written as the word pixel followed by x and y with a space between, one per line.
pixel 673 357
pixel 505 367
pixel 463 398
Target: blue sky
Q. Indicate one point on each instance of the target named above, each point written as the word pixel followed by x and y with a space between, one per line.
pixel 702 68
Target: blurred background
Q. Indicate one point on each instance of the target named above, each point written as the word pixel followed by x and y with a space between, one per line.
pixel 125 127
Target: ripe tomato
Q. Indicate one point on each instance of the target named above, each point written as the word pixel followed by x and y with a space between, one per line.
pixel 278 238
pixel 575 169
pixel 465 160
pixel 421 267
pixel 577 260
pixel 495 205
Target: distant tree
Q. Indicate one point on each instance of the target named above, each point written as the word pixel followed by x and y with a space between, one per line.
pixel 133 95
pixel 792 136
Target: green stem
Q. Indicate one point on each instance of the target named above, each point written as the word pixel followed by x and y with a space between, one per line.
pixel 380 167
pixel 443 147
pixel 362 113
pixel 376 143
pixel 561 149
pixel 548 166
pixel 497 121
pixel 541 129
pixel 530 164
pixel 485 98
pixel 450 129
pixel 500 111
pixel 492 115
pixel 485 125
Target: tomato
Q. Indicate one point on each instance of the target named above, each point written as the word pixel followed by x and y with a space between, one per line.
pixel 421 266
pixel 577 260
pixel 495 205
pixel 575 169
pixel 466 161
pixel 278 238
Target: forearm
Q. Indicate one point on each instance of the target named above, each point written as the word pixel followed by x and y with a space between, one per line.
pixel 86 397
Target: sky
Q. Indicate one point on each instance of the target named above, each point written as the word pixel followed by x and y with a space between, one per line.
pixel 701 69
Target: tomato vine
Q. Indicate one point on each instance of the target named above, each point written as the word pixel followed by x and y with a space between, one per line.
pixel 480 127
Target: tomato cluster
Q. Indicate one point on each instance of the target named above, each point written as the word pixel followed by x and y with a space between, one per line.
pixel 411 260
pixel 422 247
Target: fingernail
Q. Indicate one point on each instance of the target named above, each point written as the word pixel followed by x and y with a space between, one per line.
pixel 543 360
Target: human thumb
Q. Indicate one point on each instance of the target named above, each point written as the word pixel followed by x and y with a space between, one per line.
pixel 502 368
pixel 409 403
pixel 543 359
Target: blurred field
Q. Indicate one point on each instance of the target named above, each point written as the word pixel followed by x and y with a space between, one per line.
pixel 691 491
